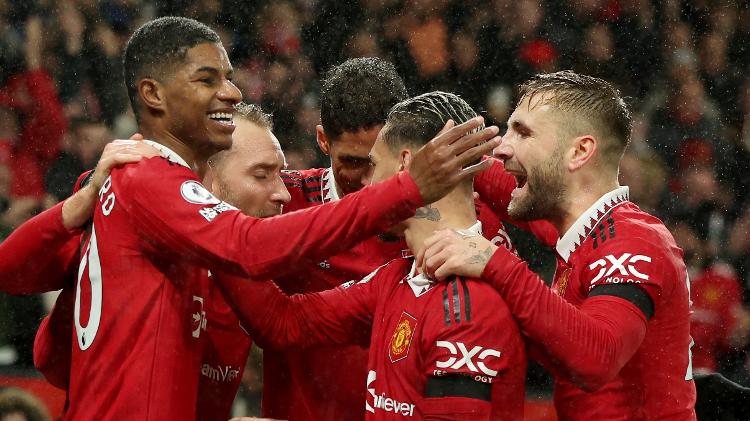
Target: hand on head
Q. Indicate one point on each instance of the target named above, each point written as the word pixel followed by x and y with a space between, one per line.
pixel 441 164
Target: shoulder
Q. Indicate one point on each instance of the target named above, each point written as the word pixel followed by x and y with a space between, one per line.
pixel 627 228
pixel 304 185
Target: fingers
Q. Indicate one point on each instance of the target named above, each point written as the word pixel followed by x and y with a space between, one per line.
pixel 476 140
pixel 448 136
pixel 136 136
pixel 472 170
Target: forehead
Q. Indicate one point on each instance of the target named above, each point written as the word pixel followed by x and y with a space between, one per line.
pixel 206 54
pixel 359 142
pixel 537 112
pixel 253 145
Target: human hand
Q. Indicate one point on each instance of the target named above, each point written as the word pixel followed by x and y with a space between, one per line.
pixel 440 165
pixel 79 208
pixel 455 252
pixel 118 153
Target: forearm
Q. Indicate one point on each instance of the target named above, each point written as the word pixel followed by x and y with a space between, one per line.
pixel 279 321
pixel 591 343
pixel 79 208
pixel 38 255
pixel 354 218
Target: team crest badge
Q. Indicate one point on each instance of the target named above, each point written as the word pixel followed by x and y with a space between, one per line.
pixel 402 337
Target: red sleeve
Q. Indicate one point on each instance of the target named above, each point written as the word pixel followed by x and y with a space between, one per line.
pixel 341 315
pixel 53 342
pixel 591 343
pixel 45 124
pixel 219 237
pixel 39 255
pixel 494 187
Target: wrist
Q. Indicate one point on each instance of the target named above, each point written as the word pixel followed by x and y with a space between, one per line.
pixel 79 208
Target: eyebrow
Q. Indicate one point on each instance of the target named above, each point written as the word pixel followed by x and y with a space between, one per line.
pixel 213 70
pixel 520 126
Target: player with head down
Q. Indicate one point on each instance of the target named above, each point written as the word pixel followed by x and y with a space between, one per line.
pixel 447 351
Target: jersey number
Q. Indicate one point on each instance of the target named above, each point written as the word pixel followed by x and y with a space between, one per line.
pixel 91 266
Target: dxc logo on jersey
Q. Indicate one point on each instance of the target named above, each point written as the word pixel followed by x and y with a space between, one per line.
pixel 625 267
pixel 467 357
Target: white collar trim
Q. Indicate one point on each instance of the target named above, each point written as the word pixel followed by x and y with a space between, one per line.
pixel 420 283
pixel 577 232
pixel 167 153
pixel 328 188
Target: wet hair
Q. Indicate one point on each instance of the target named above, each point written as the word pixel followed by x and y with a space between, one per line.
pixel 357 94
pixel 159 44
pixel 254 114
pixel 415 121
pixel 592 104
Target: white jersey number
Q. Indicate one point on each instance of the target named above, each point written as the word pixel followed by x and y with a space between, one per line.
pixel 90 262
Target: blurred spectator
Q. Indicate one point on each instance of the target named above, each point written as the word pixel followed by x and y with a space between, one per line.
pixel 688 118
pixel 32 97
pixel 84 143
pixel 647 179
pixel 718 323
pixel 19 405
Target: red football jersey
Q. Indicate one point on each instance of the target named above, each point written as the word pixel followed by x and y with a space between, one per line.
pixel 612 243
pixel 324 382
pixel 140 303
pixel 717 303
pixel 433 347
pixel 225 353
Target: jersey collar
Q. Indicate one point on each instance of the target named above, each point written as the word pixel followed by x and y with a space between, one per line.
pixel 328 187
pixel 167 153
pixel 420 283
pixel 581 228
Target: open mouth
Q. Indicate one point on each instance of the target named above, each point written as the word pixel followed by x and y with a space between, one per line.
pixel 224 118
pixel 520 181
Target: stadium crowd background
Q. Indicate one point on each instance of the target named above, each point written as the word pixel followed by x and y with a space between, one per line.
pixel 685 66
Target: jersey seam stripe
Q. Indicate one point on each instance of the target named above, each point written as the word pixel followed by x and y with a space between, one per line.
pixel 446 309
pixel 467 300
pixel 456 302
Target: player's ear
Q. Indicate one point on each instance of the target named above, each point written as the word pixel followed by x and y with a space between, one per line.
pixel 405 158
pixel 322 138
pixel 583 149
pixel 152 94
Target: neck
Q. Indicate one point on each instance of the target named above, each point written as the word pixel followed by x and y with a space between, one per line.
pixel 179 147
pixel 585 192
pixel 455 211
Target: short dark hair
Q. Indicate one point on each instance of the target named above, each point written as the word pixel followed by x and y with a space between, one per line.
pixel 160 43
pixel 417 120
pixel 589 99
pixel 254 114
pixel 357 94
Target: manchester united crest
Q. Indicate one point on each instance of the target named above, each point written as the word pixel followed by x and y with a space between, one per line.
pixel 402 337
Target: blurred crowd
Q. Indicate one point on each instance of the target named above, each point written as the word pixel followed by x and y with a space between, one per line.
pixel 683 64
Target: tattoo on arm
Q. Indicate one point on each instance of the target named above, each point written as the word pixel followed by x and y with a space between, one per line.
pixel 481 257
pixel 428 212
